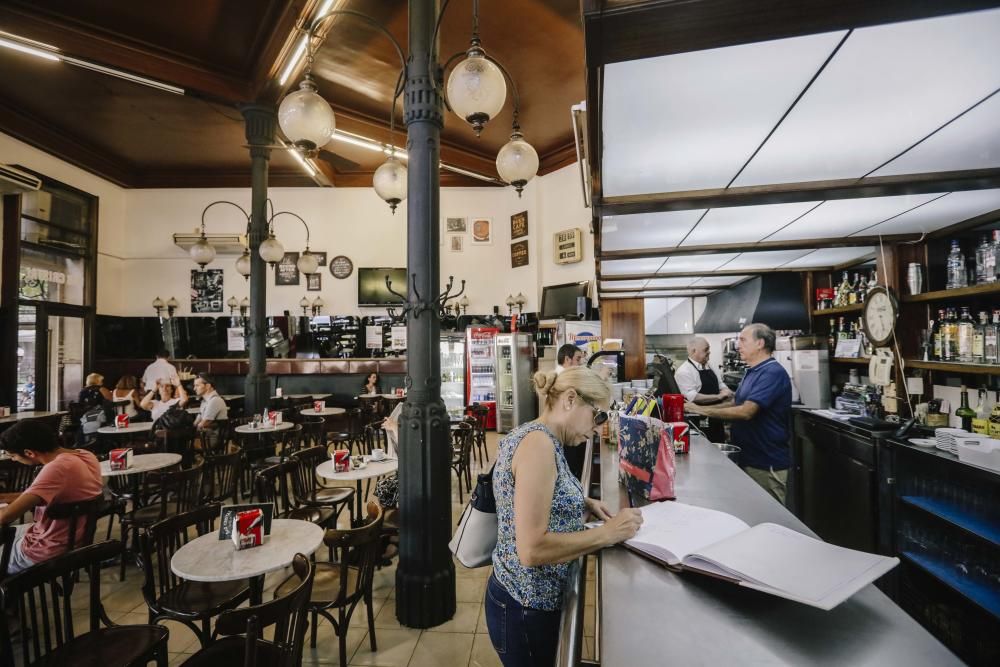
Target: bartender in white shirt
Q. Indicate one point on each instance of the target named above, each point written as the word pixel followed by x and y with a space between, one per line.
pixel 160 370
pixel 700 385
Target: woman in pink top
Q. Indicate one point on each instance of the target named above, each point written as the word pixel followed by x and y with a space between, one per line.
pixel 67 475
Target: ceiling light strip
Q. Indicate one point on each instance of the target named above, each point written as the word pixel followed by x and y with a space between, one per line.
pixel 30 50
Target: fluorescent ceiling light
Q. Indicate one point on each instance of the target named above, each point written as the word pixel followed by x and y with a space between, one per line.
pixel 293 62
pixel 134 78
pixel 372 145
pixel 24 48
pixel 466 172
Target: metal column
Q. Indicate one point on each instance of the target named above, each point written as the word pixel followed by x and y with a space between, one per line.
pixel 261 122
pixel 425 577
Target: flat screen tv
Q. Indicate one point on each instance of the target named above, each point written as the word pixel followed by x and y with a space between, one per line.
pixel 560 300
pixel 372 290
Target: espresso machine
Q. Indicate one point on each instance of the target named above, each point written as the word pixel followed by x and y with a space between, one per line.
pixel 733 368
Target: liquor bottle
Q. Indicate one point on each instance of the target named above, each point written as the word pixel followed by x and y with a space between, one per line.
pixel 832 340
pixel 862 289
pixel 991 339
pixel 964 412
pixel 935 329
pixel 981 422
pixel 979 339
pixel 994 428
pixel 956 267
pixel 994 263
pixel 842 291
pixel 949 336
pixel 966 332
pixel 852 291
pixel 842 333
pixel 983 250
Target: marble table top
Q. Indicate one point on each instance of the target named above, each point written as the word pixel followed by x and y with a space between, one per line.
pixel 325 412
pixel 141 427
pixel 208 558
pixel 373 469
pixel 248 428
pixel 141 463
pixel 316 397
pixel 386 396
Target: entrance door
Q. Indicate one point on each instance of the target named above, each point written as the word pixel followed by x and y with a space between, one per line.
pixel 50 357
pixel 64 363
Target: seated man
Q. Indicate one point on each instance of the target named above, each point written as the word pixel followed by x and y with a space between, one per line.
pixel 213 407
pixel 67 475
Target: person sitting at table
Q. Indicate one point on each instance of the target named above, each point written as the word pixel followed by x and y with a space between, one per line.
pixel 126 390
pixel 95 392
pixel 67 475
pixel 213 407
pixel 162 398
pixel 371 385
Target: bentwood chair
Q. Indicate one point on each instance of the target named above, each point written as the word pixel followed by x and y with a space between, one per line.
pixel 7 534
pixel 342 585
pixel 168 597
pixel 306 490
pixel 272 487
pixel 42 597
pixel 221 478
pixel 461 459
pixel 479 414
pixel 15 477
pixel 242 641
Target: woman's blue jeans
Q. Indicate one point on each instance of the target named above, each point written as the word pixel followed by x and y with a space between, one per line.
pixel 521 636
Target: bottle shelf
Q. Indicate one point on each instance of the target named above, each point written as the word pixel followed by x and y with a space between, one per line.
pixel 858 361
pixel 949 294
pixel 980 594
pixel 954 367
pixel 853 308
pixel 979 526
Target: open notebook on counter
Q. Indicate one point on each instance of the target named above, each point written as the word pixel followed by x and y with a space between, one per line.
pixel 766 557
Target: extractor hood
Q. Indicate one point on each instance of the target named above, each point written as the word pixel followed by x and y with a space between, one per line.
pixel 774 299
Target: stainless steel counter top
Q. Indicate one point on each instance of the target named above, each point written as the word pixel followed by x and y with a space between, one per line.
pixel 653 616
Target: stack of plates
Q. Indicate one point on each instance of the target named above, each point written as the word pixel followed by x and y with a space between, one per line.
pixel 948 439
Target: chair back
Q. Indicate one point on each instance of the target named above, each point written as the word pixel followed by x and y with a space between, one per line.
pixel 81 517
pixel 480 413
pixel 180 487
pixel 175 441
pixel 16 477
pixel 42 596
pixel 289 616
pixel 461 441
pixel 7 534
pixel 215 439
pixel 220 480
pixel 359 550
pixel 375 438
pixel 272 486
pixel 371 407
pixel 162 540
pixel 313 431
pixel 289 441
pixel 303 470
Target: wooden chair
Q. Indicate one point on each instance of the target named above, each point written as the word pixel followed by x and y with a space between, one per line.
pixel 42 595
pixel 342 585
pixel 479 414
pixel 85 511
pixel 288 614
pixel 461 459
pixel 272 487
pixel 371 408
pixel 355 428
pixel 215 439
pixel 7 534
pixel 193 603
pixel 306 490
pixel 313 431
pixel 169 493
pixel 16 477
pixel 221 478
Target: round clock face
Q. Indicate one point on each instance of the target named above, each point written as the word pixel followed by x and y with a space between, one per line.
pixel 880 316
pixel 341 266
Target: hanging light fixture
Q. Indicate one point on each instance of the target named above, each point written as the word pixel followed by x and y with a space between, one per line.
pixel 243 264
pixel 271 250
pixel 476 88
pixel 517 161
pixel 202 251
pixel 307 263
pixel 305 117
pixel 390 181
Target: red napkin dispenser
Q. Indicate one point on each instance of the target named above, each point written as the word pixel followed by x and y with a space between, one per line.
pixel 680 433
pixel 120 459
pixel 248 529
pixel 121 421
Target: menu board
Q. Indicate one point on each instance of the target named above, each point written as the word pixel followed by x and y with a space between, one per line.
pixel 235 342
pixel 287 272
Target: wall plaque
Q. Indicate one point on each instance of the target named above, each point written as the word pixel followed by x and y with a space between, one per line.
pixel 341 267
pixel 518 254
pixel 518 225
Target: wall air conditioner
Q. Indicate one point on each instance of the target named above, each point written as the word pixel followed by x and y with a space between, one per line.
pixel 14 181
pixel 224 244
pixel 579 114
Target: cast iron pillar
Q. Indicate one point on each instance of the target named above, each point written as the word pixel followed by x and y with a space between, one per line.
pixel 260 125
pixel 425 577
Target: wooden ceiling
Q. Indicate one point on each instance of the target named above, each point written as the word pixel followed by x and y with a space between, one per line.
pixel 227 52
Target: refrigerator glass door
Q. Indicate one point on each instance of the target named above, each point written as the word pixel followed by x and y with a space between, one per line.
pixel 505 384
pixel 453 376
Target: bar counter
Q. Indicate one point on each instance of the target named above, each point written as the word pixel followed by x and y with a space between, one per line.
pixel 649 615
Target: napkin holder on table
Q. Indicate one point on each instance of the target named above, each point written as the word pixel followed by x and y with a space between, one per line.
pixel 248 529
pixel 120 459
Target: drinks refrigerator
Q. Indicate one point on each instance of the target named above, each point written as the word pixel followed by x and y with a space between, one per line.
pixel 480 385
pixel 517 401
pixel 453 374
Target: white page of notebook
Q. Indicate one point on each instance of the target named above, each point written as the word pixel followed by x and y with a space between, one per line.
pixel 682 529
pixel 780 558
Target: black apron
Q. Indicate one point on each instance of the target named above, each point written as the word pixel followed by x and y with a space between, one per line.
pixel 713 428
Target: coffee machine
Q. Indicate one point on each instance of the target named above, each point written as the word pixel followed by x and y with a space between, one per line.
pixel 733 368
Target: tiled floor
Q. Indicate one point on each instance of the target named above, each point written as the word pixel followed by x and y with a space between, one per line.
pixel 461 642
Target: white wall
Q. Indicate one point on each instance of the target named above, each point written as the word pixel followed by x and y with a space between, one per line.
pixel 561 207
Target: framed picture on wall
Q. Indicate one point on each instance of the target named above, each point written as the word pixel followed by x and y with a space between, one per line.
pixel 518 225
pixel 206 291
pixel 314 282
pixel 321 256
pixel 455 225
pixel 482 231
pixel 519 254
pixel 287 273
pixel 456 242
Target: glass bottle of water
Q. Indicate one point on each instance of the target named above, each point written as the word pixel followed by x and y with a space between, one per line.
pixel 984 252
pixel 956 267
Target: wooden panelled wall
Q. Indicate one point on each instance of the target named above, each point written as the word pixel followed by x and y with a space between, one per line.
pixel 626 319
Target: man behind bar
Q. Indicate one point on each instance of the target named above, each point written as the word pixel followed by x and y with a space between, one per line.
pixel 760 412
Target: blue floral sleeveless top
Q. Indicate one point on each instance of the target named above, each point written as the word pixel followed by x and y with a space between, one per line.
pixel 535 587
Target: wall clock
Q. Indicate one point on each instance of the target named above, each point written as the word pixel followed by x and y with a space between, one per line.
pixel 341 267
pixel 880 313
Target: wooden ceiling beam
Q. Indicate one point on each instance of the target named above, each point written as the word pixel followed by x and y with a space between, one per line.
pixel 761 246
pixel 629 30
pixel 783 193
pixel 193 77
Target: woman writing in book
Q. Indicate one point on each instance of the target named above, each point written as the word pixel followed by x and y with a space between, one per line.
pixel 540 516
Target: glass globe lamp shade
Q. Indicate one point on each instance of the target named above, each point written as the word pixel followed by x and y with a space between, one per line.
pixel 308 262
pixel 245 303
pixel 476 90
pixel 158 304
pixel 306 118
pixel 271 251
pixel 243 264
pixel 464 302
pixel 517 162
pixel 303 302
pixel 173 303
pixel 233 303
pixel 390 182
pixel 202 252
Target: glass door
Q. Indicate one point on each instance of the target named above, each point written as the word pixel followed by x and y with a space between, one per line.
pixel 64 360
pixel 27 350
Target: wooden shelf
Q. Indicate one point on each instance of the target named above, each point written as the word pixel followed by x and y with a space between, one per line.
pixel 954 367
pixel 853 308
pixel 860 361
pixel 948 294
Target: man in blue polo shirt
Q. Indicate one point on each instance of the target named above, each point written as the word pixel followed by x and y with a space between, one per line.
pixel 760 412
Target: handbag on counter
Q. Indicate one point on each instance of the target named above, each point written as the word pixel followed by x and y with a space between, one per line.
pixel 646 464
pixel 476 535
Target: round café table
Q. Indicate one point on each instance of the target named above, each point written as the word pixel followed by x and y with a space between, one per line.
pixel 262 430
pixel 373 469
pixel 141 463
pixel 207 558
pixel 141 427
pixel 325 412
